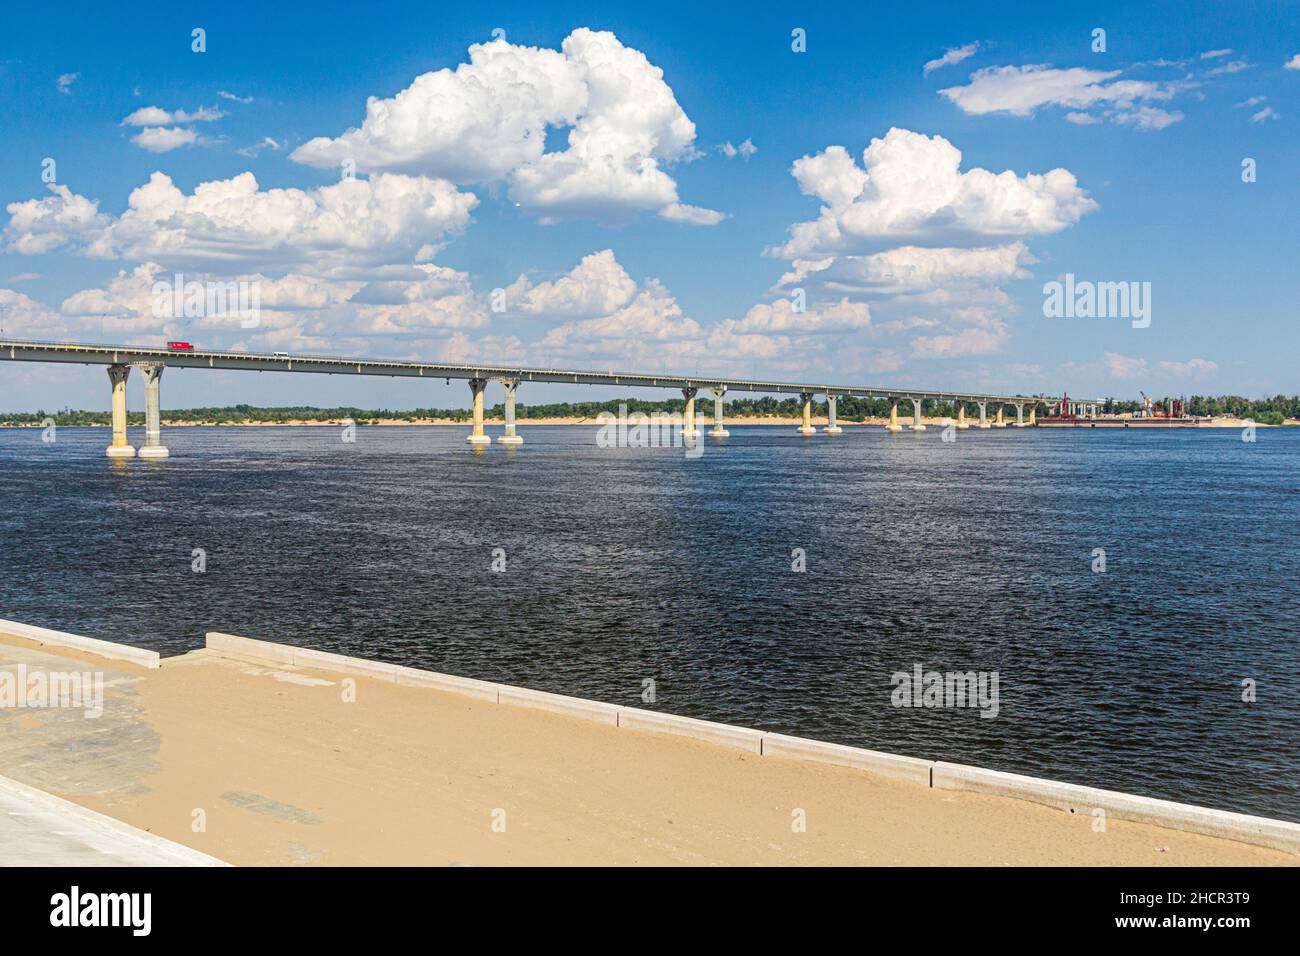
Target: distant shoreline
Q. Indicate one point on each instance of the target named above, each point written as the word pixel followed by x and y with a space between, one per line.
pixel 704 423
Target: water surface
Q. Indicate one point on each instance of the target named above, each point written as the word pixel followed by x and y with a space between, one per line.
pixel 624 565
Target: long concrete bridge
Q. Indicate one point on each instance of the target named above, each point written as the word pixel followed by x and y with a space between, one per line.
pixel 120 359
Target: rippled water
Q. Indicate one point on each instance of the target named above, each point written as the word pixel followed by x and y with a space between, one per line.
pixel 627 564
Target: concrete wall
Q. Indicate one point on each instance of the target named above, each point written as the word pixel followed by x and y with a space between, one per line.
pixel 1072 798
pixel 91 645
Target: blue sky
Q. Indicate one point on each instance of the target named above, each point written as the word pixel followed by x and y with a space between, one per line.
pixel 649 238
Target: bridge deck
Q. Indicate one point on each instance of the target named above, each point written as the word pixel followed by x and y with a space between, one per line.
pixel 77 353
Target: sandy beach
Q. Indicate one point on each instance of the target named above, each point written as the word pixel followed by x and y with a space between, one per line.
pixel 282 770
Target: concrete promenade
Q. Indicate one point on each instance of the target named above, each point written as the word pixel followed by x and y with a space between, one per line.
pixel 289 756
pixel 38 829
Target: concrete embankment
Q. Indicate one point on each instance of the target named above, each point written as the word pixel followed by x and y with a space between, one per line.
pixel 290 755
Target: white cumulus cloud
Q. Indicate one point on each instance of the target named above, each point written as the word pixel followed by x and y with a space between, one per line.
pixel 910 189
pixel 486 121
pixel 744 150
pixel 781 317
pixel 25 317
pixel 652 316
pixel 598 285
pixel 913 268
pixel 353 222
pixel 37 226
pixel 157 116
pixel 163 139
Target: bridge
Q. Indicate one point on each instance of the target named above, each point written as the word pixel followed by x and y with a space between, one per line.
pixel 120 359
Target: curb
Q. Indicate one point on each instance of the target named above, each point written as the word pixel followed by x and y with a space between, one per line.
pixel 92 645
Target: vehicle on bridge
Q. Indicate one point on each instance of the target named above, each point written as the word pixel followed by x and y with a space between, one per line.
pixel 180 346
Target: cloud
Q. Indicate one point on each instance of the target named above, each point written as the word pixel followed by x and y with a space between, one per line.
pixel 651 317
pixel 1192 368
pixel 353 223
pixel 1215 54
pixel 227 95
pixel 1233 66
pixel 1082 119
pixel 441 299
pixel 25 317
pixel 972 341
pixel 300 309
pixel 266 143
pixel 910 190
pixel 781 317
pixel 486 121
pixel 460 349
pixel 166 130
pixel 158 139
pixel 744 150
pixel 1022 90
pixel 148 116
pixel 157 116
pixel 951 56
pixel 923 240
pixel 598 285
pixel 1267 113
pixel 65 81
pixel 1251 102
pixel 913 269
pixel 695 215
pixel 1127 367
pixel 1293 63
pixel 39 225
pixel 1147 117
pixel 1124 366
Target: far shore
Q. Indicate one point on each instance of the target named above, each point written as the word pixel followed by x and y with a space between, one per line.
pixel 701 422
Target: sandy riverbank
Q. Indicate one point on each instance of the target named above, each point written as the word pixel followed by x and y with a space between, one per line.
pixel 282 770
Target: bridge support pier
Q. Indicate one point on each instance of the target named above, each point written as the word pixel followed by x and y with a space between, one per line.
pixel 717 431
pixel 119 448
pixel 893 425
pixel 984 414
pixel 688 426
pixel 153 446
pixel 807 427
pixel 476 435
pixel 999 421
pixel 510 438
pixel 1020 415
pixel 832 428
pixel 961 415
pixel 916 414
pixel 1033 414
